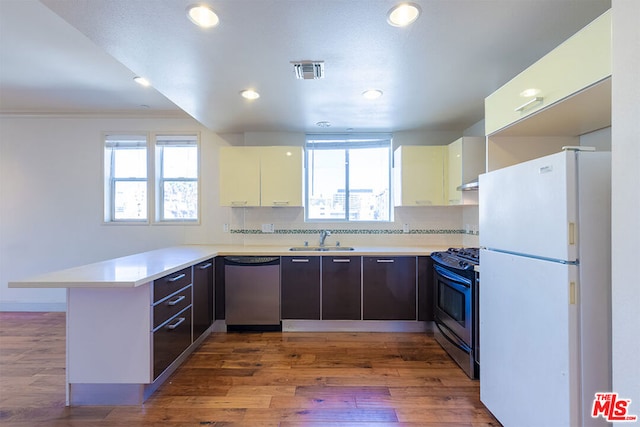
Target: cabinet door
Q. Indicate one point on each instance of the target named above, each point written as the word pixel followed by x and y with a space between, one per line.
pixel 203 298
pixel 466 161
pixel 576 64
pixel 419 175
pixel 281 176
pixel 239 176
pixel 170 340
pixel 389 288
pixel 341 296
pixel 300 287
pixel 454 155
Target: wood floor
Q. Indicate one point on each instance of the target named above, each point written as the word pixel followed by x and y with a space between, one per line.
pixel 251 379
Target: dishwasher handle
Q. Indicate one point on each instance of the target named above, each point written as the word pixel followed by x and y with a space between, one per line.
pixel 251 261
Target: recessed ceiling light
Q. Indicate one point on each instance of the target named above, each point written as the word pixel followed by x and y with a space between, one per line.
pixel 323 124
pixel 372 93
pixel 141 81
pixel 202 15
pixel 250 94
pixel 403 14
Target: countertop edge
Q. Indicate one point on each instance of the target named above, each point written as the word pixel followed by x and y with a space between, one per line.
pixel 145 267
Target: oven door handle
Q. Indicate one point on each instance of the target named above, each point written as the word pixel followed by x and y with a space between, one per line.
pixel 457 343
pixel 452 276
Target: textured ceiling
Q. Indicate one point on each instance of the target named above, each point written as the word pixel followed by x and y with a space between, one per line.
pixel 79 56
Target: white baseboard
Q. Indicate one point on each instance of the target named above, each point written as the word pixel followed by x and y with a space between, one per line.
pixel 33 306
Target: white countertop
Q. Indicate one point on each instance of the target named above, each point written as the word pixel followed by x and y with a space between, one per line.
pixel 135 270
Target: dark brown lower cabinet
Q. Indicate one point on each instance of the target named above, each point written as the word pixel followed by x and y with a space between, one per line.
pixel 341 297
pixel 389 288
pixel 425 288
pixel 203 298
pixel 300 287
pixel 170 340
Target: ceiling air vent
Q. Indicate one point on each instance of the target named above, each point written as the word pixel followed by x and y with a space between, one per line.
pixel 308 70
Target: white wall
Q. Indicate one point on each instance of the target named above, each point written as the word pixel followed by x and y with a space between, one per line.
pixel 626 200
pixel 51 201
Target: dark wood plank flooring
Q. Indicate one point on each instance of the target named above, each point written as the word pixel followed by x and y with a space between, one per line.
pixel 251 379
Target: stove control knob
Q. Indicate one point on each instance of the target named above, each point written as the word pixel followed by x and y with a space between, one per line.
pixel 463 264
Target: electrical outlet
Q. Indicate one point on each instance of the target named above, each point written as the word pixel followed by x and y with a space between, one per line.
pixel 225 228
pixel 405 228
pixel 267 228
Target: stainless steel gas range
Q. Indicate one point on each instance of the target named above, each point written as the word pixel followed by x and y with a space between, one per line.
pixel 456 306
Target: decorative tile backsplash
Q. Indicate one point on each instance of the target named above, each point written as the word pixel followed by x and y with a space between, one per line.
pixel 437 226
pixel 356 231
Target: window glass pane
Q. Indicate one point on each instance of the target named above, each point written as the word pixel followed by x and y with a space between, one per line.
pixel 348 177
pixel 180 200
pixel 180 161
pixel 326 184
pixel 130 200
pixel 130 163
pixel 369 184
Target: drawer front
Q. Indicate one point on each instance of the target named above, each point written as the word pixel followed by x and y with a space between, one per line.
pixel 169 307
pixel 169 284
pixel 581 61
pixel 170 341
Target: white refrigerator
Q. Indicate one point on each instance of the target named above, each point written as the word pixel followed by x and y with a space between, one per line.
pixel 545 285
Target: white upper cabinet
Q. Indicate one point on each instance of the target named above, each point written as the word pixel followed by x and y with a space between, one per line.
pixel 261 176
pixel 418 175
pixel 466 160
pixel 281 176
pixel 239 176
pixel 579 63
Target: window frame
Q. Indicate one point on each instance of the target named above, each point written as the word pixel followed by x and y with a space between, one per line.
pixel 160 179
pixel 109 205
pixel 154 179
pixel 347 142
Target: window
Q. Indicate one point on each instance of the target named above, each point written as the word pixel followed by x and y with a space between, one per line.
pixel 177 171
pixel 348 177
pixel 129 178
pixel 125 165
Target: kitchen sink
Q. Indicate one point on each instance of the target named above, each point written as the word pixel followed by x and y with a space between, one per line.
pixel 321 248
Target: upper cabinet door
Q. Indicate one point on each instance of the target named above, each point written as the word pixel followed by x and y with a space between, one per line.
pixel 466 161
pixel 239 176
pixel 581 61
pixel 418 175
pixel 281 176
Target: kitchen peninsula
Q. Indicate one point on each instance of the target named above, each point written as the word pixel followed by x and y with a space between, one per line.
pixel 131 321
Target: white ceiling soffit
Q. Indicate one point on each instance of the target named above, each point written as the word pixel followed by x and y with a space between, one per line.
pixel 48 66
pixel 434 74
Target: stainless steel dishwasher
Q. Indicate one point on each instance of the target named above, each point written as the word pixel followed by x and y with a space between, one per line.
pixel 252 293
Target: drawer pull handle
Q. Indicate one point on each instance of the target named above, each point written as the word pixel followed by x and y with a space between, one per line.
pixel 239 203
pixel 528 103
pixel 178 277
pixel 281 203
pixel 204 267
pixel 177 300
pixel 300 260
pixel 385 261
pixel 341 260
pixel 178 323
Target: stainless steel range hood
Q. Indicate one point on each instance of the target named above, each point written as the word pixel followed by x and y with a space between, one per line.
pixel 469 186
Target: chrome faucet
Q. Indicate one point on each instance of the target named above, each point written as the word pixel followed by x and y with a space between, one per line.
pixel 323 235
